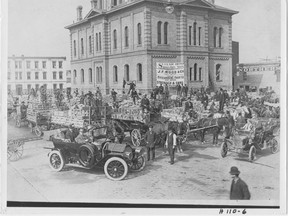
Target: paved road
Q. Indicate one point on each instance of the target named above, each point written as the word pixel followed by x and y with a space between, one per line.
pixel 198 174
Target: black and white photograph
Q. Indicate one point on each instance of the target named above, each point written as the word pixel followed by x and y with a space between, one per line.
pixel 145 106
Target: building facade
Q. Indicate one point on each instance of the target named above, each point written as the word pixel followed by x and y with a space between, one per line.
pixel 255 76
pixel 25 73
pixel 125 39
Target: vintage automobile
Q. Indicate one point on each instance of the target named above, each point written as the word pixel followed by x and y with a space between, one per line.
pixel 116 158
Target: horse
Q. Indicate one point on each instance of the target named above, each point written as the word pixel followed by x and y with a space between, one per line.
pixel 219 123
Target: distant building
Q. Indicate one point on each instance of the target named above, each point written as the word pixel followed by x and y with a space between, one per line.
pixel 235 60
pixel 125 39
pixel 25 73
pixel 254 76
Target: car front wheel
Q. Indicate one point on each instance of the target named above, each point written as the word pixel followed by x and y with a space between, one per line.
pixel 138 163
pixel 56 161
pixel 115 168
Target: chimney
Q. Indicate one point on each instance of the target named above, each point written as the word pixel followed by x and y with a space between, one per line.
pixel 94 4
pixel 79 13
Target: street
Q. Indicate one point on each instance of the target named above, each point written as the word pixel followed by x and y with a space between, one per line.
pixel 199 173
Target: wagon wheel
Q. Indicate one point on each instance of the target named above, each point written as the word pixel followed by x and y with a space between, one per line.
pixel 224 149
pixel 38 131
pixel 56 160
pixel 274 146
pixel 135 137
pixel 18 121
pixel 252 153
pixel 138 163
pixel 15 150
pixel 115 168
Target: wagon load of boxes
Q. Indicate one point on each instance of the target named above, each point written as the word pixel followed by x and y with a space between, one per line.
pixel 78 115
pixel 129 113
pixel 174 114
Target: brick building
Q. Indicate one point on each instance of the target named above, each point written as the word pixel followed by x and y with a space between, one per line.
pixel 25 73
pixel 124 39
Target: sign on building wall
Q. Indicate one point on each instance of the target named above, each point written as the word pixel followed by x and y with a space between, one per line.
pixel 170 73
pixel 257 68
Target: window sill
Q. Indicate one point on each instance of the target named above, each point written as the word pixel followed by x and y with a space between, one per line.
pixel 195 81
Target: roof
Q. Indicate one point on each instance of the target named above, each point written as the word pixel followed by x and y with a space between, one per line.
pixel 193 3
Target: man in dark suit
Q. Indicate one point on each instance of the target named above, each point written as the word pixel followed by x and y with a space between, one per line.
pixel 171 143
pixel 145 103
pixel 239 189
pixel 150 138
pixel 221 100
pixel 70 134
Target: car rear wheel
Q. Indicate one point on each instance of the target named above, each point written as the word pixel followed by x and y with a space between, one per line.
pixel 138 164
pixel 252 154
pixel 274 146
pixel 115 168
pixel 56 161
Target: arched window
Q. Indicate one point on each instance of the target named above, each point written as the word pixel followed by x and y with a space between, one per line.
pixel 82 76
pixel 215 36
pixel 115 74
pixel 100 74
pixel 220 36
pixel 115 38
pixel 159 24
pixel 90 75
pixel 97 74
pixel 190 35
pixel 218 72
pixel 114 2
pixel 166 33
pixel 139 33
pixel 200 74
pixel 126 32
pixel 97 46
pixel 100 46
pixel 90 45
pixel 194 33
pixel 126 71
pixel 199 36
pixel 139 72
pixel 75 76
pixel 82 46
pixel 75 52
pixel 195 72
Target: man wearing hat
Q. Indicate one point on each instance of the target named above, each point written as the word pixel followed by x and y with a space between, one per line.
pixel 145 103
pixel 23 110
pixel 171 143
pixel 239 189
pixel 150 139
pixel 70 134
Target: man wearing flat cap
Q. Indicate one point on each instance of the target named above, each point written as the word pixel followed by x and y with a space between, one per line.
pixel 239 189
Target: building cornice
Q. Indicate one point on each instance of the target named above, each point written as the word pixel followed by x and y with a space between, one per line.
pixel 35 57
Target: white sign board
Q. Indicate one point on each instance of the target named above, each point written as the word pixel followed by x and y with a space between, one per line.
pixel 170 73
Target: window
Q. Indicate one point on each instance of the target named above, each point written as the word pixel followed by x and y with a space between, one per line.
pixel 16 75
pixel 54 75
pixel 139 70
pixel 200 74
pixel 16 64
pixel 20 65
pixel 190 74
pixel 220 37
pixel 75 76
pixel 126 71
pixel 90 75
pixel 115 38
pixel 9 75
pixel 53 64
pixel 195 72
pixel 44 75
pixel 61 86
pixel 199 36
pixel 60 64
pixel 29 88
pixel 97 74
pixel 139 33
pixel 82 76
pixel 36 64
pixel 166 33
pixel 28 75
pixel 97 42
pixel 28 64
pixel 100 73
pixel 74 43
pixel 90 45
pixel 215 36
pixel 115 74
pixel 194 33
pixel 60 75
pixel 218 72
pixel 126 35
pixel 82 46
pixel 190 35
pixel 159 32
pixel 114 2
pixel 36 75
pixel 44 64
pixel 54 86
pixel 100 46
pixel 20 75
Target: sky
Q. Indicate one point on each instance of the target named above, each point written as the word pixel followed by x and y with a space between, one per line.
pixel 36 27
